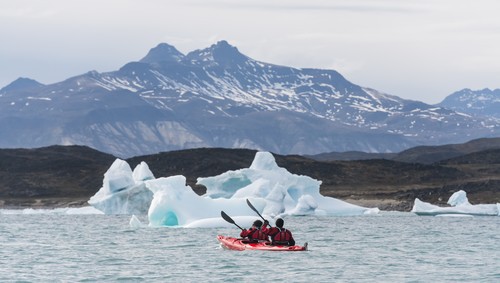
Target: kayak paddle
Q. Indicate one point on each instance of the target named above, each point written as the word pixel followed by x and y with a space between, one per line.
pixel 229 219
pixel 254 209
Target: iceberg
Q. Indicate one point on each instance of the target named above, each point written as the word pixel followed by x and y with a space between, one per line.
pixel 459 205
pixel 123 190
pixel 284 193
pixel 168 201
pixel 176 204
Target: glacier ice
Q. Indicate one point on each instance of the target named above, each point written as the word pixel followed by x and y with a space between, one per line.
pixel 272 190
pixel 459 198
pixel 459 206
pixel 285 193
pixel 176 204
pixel 123 190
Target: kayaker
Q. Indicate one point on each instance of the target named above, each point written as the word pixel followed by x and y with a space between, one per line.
pixel 255 233
pixel 279 235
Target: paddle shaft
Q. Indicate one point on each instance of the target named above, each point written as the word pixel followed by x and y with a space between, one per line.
pixel 254 209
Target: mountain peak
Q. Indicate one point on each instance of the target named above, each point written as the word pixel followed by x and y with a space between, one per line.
pixel 221 53
pixel 162 52
pixel 467 94
pixel 224 50
pixel 222 44
pixel 21 83
pixel 477 102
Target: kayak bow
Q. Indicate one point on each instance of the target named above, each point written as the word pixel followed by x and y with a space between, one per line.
pixel 236 244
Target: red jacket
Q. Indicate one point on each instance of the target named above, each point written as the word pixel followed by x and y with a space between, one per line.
pixel 281 236
pixel 255 234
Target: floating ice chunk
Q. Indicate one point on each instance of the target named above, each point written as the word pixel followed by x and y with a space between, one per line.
pixel 458 198
pixel 455 215
pixel 462 206
pixel 421 206
pixel 280 188
pixel 135 222
pixel 83 210
pixel 370 211
pixel 120 193
pixel 132 200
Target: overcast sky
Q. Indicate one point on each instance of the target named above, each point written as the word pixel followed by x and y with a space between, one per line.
pixel 415 49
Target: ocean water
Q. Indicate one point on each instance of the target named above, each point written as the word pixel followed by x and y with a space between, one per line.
pixel 391 247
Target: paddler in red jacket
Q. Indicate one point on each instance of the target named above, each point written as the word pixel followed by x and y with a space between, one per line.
pixel 279 235
pixel 256 232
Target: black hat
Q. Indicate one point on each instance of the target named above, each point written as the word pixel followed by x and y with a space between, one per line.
pixel 257 223
pixel 279 222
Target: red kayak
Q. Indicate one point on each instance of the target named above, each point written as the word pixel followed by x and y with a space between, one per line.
pixel 236 244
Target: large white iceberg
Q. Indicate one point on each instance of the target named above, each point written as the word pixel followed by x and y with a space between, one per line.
pixel 272 190
pixel 459 206
pixel 285 193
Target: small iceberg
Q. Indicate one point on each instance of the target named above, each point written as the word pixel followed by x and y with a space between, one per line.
pixel 460 205
pixel 123 191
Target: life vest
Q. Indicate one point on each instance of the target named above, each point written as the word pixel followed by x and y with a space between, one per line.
pixel 258 235
pixel 283 236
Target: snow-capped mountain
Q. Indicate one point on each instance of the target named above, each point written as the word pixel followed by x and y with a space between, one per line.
pixel 218 97
pixel 485 102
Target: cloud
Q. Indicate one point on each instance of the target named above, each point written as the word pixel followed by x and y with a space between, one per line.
pixel 12 10
pixel 384 44
pixel 355 6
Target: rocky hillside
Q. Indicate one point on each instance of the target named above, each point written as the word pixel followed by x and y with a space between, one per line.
pixel 62 176
pixel 50 176
pixel 418 154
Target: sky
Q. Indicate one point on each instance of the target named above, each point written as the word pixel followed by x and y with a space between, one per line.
pixel 416 49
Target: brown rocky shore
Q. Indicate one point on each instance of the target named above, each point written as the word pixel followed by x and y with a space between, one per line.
pixel 67 176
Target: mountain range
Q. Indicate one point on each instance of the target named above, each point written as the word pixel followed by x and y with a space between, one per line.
pixel 219 97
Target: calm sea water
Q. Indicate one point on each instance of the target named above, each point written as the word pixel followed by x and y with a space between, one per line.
pixel 392 247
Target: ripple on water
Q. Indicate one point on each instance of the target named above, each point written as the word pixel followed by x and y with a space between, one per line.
pixel 398 248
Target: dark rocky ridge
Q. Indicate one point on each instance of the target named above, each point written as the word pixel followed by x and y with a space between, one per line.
pixel 50 176
pixel 418 154
pixel 59 176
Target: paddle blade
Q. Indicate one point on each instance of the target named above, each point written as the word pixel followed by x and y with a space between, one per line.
pixel 254 209
pixel 229 219
pixel 251 206
pixel 226 217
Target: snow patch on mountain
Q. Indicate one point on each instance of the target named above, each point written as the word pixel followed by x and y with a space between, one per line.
pixel 220 97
